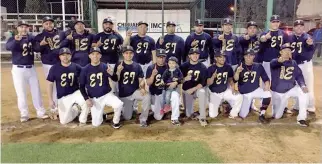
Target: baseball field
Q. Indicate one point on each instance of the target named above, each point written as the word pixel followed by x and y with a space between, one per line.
pixel 224 140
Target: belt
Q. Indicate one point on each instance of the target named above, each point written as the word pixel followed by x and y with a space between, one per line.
pixel 24 66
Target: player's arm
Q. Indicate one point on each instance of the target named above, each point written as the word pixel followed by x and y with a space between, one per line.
pixel 82 84
pixel 211 76
pixel 154 52
pixel 12 43
pixel 299 76
pixel 141 78
pixel 36 43
pixel 202 79
pixel 149 77
pixel 231 78
pixel 181 49
pixel 276 63
pixel 180 76
pixel 127 40
pixel 187 48
pixel 264 77
pixel 237 72
pixel 211 50
pixel 116 73
pixel 263 37
pixel 50 84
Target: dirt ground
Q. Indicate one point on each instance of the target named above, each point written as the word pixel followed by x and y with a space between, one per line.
pixel 242 142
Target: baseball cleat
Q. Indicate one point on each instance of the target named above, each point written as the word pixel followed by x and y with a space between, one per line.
pixel 288 111
pixel 203 122
pixel 143 124
pixel 262 119
pixel 45 116
pixel 175 122
pixel 81 124
pixel 116 126
pixel 53 115
pixel 303 123
pixel 24 119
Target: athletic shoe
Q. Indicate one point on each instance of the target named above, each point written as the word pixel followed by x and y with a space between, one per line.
pixel 262 119
pixel 303 123
pixel 181 107
pixel 53 115
pixel 175 122
pixel 116 126
pixel 288 111
pixel 81 124
pixel 143 124
pixel 76 107
pixel 24 119
pixel 45 116
pixel 203 122
pixel 194 116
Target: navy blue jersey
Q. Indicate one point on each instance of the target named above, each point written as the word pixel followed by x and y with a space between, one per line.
pixel 232 48
pixel 143 47
pixel 80 47
pixel 94 81
pixel 249 78
pixel 221 80
pixel 173 45
pixel 22 53
pixel 301 50
pixel 270 49
pixel 66 78
pixel 285 75
pixel 198 73
pixel 172 76
pixel 252 43
pixel 110 48
pixel 129 78
pixel 156 87
pixel 49 52
pixel 204 45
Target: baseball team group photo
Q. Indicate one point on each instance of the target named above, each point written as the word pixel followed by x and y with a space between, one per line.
pixel 222 88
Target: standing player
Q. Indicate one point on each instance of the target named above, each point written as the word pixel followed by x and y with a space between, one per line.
pixel 172 43
pixel 303 50
pixel 220 76
pixel 285 74
pixel 24 72
pixel 195 80
pixel 131 85
pixel 143 45
pixel 248 76
pixel 80 43
pixel 109 43
pixel 228 43
pixel 250 40
pixel 48 44
pixel 66 76
pixel 202 41
pixel 154 80
pixel 96 90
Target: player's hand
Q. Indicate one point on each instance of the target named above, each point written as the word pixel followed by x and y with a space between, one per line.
pixel 305 89
pixel 161 40
pixel 194 43
pixel 99 42
pixel 143 91
pixel 281 60
pixel 309 41
pixel 18 37
pixel 89 103
pixel 246 37
pixel 268 35
pixel 221 37
pixel 129 33
pixel 154 71
pixel 109 70
pixel 43 42
pixel 188 77
pixel 120 68
pixel 214 75
pixel 70 36
pixel 190 91
pixel 52 104
pixel 175 79
pixel 240 68
pixel 173 85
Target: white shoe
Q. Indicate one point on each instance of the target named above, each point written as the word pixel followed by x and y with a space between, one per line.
pixel 203 122
pixel 24 119
pixel 45 116
pixel 53 115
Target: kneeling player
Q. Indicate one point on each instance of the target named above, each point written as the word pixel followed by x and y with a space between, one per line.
pixel 220 76
pixel 130 77
pixel 248 75
pixel 96 90
pixel 285 75
pixel 66 75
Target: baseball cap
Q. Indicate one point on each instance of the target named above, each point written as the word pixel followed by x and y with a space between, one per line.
pixel 64 51
pixel 299 22
pixel 127 48
pixel 227 21
pixel 251 23
pixel 199 22
pixel 161 52
pixel 275 18
pixel 171 23
pixel 45 19
pixel 250 52
pixel 218 53
pixel 95 49
pixel 143 22
pixel 108 20
pixel 20 23
pixel 172 58
pixel 194 50
pixel 79 21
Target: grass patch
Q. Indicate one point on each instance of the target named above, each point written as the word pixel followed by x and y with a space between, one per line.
pixel 109 152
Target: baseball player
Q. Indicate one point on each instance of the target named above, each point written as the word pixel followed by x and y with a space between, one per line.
pixel 228 43
pixel 195 80
pixel 248 76
pixel 303 50
pixel 220 76
pixel 70 100
pixel 131 85
pixel 202 41
pixel 285 74
pixel 24 72
pixel 48 44
pixel 109 42
pixel 80 42
pixel 96 90
pixel 172 43
pixel 154 80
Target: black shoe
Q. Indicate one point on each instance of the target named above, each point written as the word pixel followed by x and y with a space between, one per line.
pixel 303 123
pixel 262 119
pixel 116 126
pixel 175 122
